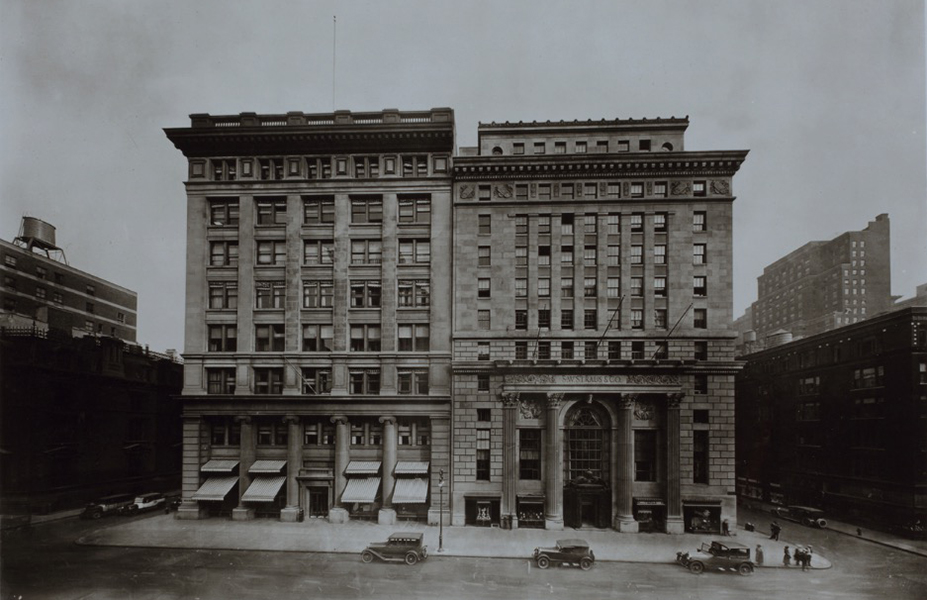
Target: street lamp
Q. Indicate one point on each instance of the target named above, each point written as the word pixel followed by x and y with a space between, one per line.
pixel 441 510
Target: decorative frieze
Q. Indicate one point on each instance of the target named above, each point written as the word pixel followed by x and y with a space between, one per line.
pixel 591 379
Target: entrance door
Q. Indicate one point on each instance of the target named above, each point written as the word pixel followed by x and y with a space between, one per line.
pixel 318 501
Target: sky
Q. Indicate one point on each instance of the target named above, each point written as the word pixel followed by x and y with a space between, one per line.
pixel 828 96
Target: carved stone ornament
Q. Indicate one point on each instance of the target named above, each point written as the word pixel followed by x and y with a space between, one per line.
pixel 627 401
pixel 554 399
pixel 674 400
pixel 680 188
pixel 530 408
pixel 643 410
pixel 509 399
pixel 720 187
pixel 590 379
pixel 603 188
pixel 503 190
pixel 534 189
pixel 626 191
pixel 466 192
pixel 649 187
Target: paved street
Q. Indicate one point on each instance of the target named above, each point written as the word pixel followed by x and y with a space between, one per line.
pixel 46 563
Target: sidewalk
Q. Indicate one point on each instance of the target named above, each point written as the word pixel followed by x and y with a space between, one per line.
pixel 316 535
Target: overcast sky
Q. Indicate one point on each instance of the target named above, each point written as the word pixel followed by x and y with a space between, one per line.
pixel 828 96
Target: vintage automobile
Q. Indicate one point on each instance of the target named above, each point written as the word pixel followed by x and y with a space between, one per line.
pixel 107 506
pixel 810 517
pixel 718 556
pixel 571 552
pixel 146 502
pixel 399 547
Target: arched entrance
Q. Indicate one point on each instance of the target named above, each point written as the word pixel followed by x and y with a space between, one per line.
pixel 587 497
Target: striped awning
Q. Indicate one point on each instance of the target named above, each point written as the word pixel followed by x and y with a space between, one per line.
pixel 217 465
pixel 363 489
pixel 410 467
pixel 216 488
pixel 410 491
pixel 270 467
pixel 363 467
pixel 264 489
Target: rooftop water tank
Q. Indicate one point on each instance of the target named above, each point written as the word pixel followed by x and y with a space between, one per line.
pixel 38 233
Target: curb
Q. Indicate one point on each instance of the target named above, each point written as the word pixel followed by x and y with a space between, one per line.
pixel 901 547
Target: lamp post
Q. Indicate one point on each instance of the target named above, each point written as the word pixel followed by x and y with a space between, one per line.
pixel 441 510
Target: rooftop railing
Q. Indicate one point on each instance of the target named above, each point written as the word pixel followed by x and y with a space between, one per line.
pixel 342 117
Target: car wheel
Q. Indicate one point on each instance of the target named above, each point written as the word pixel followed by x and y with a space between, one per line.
pixel 96 515
pixel 543 562
pixel 367 557
pixel 585 564
pixel 807 522
pixel 696 567
pixel 745 569
pixel 411 558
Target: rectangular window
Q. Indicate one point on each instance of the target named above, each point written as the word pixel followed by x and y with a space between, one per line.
pixel 317 294
pixel 223 338
pixel 637 254
pixel 614 255
pixel 544 350
pixel 269 338
pixel 485 224
pixel 637 350
pixel 590 287
pixel 539 148
pixel 566 255
pixel 659 189
pixel 40 293
pixel 318 210
pixel 637 189
pixel 544 287
pixel 643 145
pixel 484 193
pixel 698 188
pixel 223 254
pixel 566 318
pixel 224 169
pixel 483 320
pixel 366 209
pixel 659 287
pixel 482 350
pixel 365 294
pixel 364 381
pixel 415 209
pixel 700 350
pixel 700 384
pixel 567 191
pixel 566 287
pixel 590 316
pixel 417 251
pixel 698 254
pixel 589 256
pixel 518 148
pixel 521 191
pixel 270 168
pixel 529 454
pixel 543 256
pixel 521 225
pixel 223 295
pixel 40 272
pixel 659 318
pixel 271 211
pixel 590 226
pixel 220 381
pixel 637 286
pixel 590 350
pixel 365 338
pixel 415 166
pixel 566 350
pixel 699 286
pixel 271 252
pixel 483 286
pixel 659 254
pixel 614 350
pixel 580 147
pixel 601 146
pixel 484 256
pixel 317 338
pixel 700 318
pixel 223 212
pixel 482 382
pixel 414 338
pixel 559 147
pixel 659 223
pixel 412 381
pixel 700 456
pixel 544 318
pixel 317 381
pixel 269 294
pixel 482 455
pixel 521 319
pixel 699 221
pixel 521 288
pixel 268 381
pixel 414 293
pixel 318 252
pixel 645 455
pixel 637 318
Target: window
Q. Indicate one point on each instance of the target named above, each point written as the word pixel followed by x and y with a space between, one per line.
pixel 589 256
pixel 698 254
pixel 270 168
pixel 88 307
pixel 318 252
pixel 415 209
pixel 567 191
pixel 482 350
pixel 543 256
pixel 482 382
pixel 544 318
pixel 484 256
pixel 366 252
pixel 484 193
pixel 268 380
pixel 518 148
pixel 637 254
pixel 40 293
pixel 319 167
pixel 412 381
pixel 590 349
pixel 659 189
pixel 224 169
pixel 318 294
pixel 220 381
pixel 58 298
pixel 521 288
pixel 521 225
pixel 659 254
pixel 521 350
pixel 414 293
pixel 485 224
pixel 566 225
pixel 271 252
pixel 637 286
pixel 414 251
pixel 613 257
pixel 659 222
pixel 364 381
pixel 698 188
pixel 223 295
pixel 544 350
pixel 483 287
pixel 539 148
pixel 700 384
pixel 269 294
pixel 271 211
pixel 415 165
pixel 318 210
pixel 317 381
pixel 637 189
pixel 645 455
pixel 566 287
pixel 559 147
pixel 413 338
pixel 637 350
pixel 700 318
pixel 589 225
pixel 529 454
pixel 643 145
pixel 366 209
pixel 482 454
pixel 566 350
pixel 700 350
pixel 544 225
pixel 589 287
pixel 700 456
pixel 365 294
pixel 590 317
pixel 521 191
pixel 521 319
pixel 223 338
pixel 614 350
pixel 566 318
pixel 580 147
pixel 637 318
pixel 868 377
pixel 366 166
pixel 269 338
pixel 566 255
pixel 699 286
pixel 317 338
pixel 699 221
pixel 544 192
pixel 659 318
pixel 809 385
pixel 483 320
pixel 365 338
pixel 223 254
pixel 521 256
pixel 659 286
pixel 40 272
pixel 590 191
pixel 544 287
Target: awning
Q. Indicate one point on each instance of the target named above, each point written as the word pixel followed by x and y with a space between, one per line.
pixel 219 466
pixel 216 488
pixel 410 491
pixel 362 490
pixel 270 467
pixel 264 489
pixel 408 467
pixel 363 467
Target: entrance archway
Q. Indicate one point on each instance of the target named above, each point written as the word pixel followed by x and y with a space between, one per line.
pixel 586 466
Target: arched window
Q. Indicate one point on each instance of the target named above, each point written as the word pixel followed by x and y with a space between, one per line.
pixel 497 151
pixel 586 445
pixel 667 147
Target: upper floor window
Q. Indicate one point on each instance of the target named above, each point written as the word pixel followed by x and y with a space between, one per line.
pixel 699 221
pixel 318 167
pixel 699 285
pixel 643 145
pixel 416 166
pixel 318 252
pixel 518 148
pixel 521 225
pixel 317 338
pixel 317 294
pixel 559 147
pixel 271 168
pixel 369 252
pixel 414 293
pixel 271 252
pixel 365 294
pixel 368 209
pixel 318 210
pixel 700 318
pixel 698 188
pixel 659 222
pixel 637 222
pixel 414 251
pixel 412 381
pixel 637 189
pixel 223 254
pixel 580 147
pixel 415 209
pixel 269 294
pixel 224 169
pixel 223 212
pixel 41 272
pixel 414 337
pixel 268 380
pixel 366 166
pixel 269 338
pixel 223 295
pixel 485 224
pixel 659 189
pixel 316 381
pixel 540 148
pixel 365 338
pixel 698 254
pixel 271 211
pixel 223 338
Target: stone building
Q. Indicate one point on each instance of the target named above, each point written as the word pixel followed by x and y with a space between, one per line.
pixel 593 372
pixel 319 295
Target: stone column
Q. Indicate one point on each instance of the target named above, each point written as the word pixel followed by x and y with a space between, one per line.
pixel 294 460
pixel 509 460
pixel 338 514
pixel 192 458
pixel 246 459
pixel 674 520
pixel 553 472
pixel 624 519
pixel 387 515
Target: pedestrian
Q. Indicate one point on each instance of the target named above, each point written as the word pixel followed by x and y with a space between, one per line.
pixel 801 557
pixel 725 528
pixel 786 558
pixel 759 555
pixel 859 531
pixel 774 530
pixel 810 552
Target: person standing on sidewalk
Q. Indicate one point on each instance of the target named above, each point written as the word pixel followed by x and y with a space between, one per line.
pixel 759 555
pixel 774 530
pixel 786 558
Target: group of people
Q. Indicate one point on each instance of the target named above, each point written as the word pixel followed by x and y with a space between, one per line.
pixel 802 557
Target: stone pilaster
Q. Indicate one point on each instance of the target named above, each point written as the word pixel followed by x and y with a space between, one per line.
pixel 246 459
pixel 553 472
pixel 338 514
pixel 387 515
pixel 624 519
pixel 674 520
pixel 294 460
pixel 509 459
pixel 190 477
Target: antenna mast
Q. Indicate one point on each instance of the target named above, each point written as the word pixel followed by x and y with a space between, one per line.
pixel 334 51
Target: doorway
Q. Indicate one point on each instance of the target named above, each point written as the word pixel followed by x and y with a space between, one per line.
pixel 318 501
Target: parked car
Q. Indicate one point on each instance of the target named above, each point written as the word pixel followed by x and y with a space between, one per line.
pixel 572 552
pixel 146 502
pixel 718 556
pixel 106 506
pixel 811 517
pixel 399 547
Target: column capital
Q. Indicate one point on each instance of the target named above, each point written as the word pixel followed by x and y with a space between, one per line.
pixel 509 399
pixel 388 420
pixel 243 419
pixel 674 400
pixel 626 401
pixel 554 399
pixel 291 420
pixel 339 419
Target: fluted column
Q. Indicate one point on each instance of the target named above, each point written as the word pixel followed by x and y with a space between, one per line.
pixel 387 515
pixel 624 519
pixel 553 472
pixel 674 520
pixel 509 459
pixel 338 514
pixel 246 459
pixel 294 460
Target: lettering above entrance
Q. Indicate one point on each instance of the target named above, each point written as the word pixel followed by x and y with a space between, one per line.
pixel 589 379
